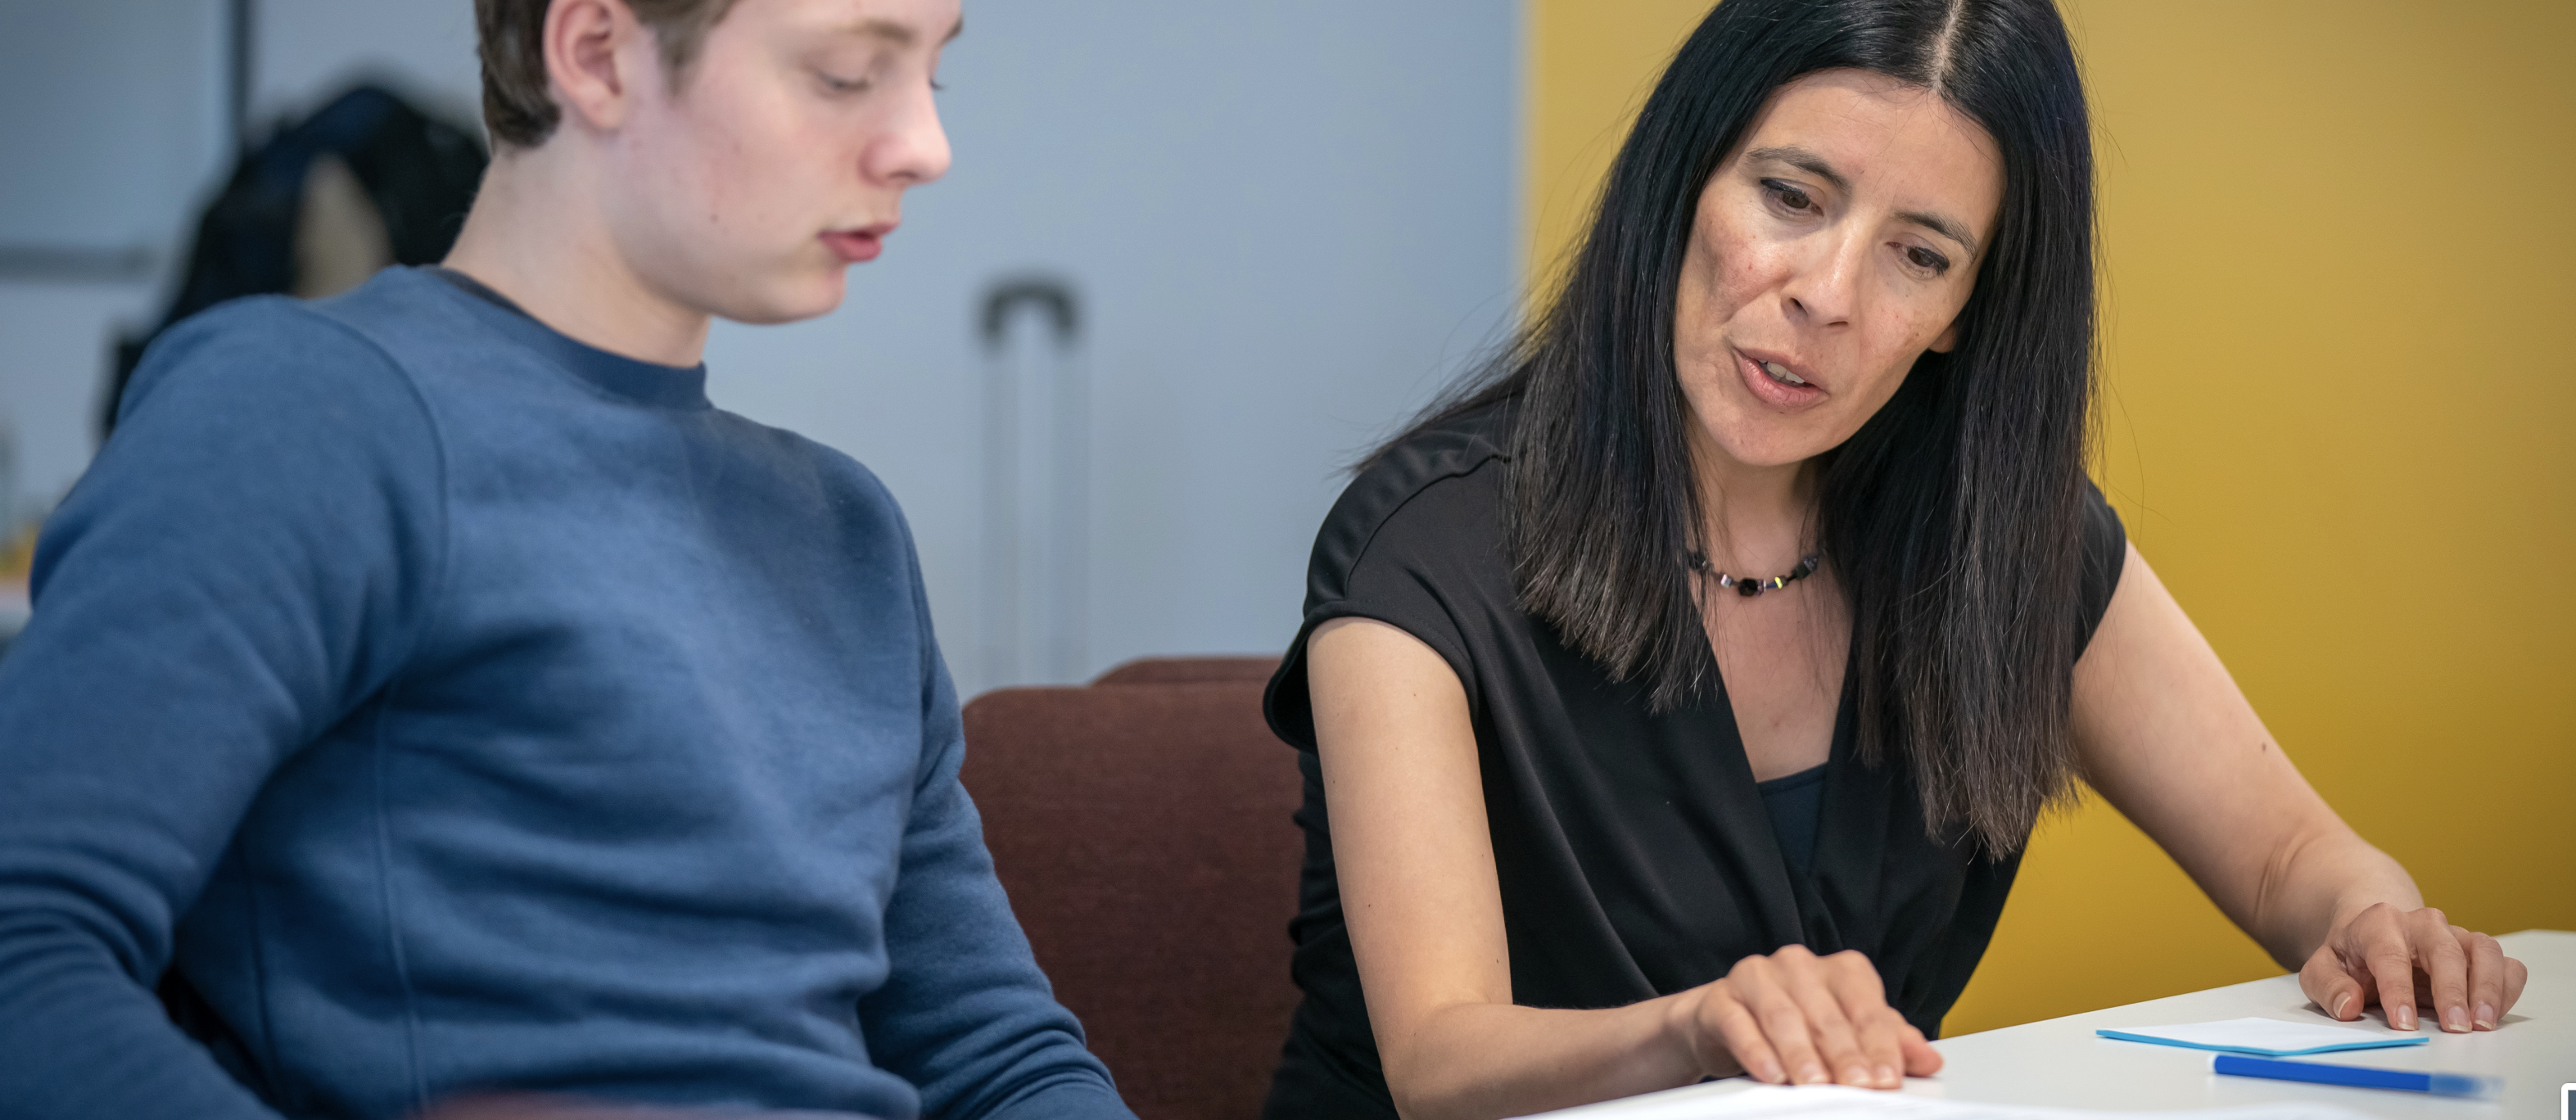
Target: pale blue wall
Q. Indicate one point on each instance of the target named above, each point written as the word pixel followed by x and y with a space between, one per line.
pixel 112 127
pixel 1289 224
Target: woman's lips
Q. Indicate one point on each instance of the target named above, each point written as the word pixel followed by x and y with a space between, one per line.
pixel 1771 390
pixel 857 245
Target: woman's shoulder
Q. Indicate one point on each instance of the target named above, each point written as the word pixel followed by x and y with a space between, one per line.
pixel 1416 541
pixel 1438 484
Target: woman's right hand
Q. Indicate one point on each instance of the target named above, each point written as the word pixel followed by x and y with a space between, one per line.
pixel 1793 1017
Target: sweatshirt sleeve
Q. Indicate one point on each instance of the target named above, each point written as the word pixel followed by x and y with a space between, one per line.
pixel 965 1014
pixel 236 567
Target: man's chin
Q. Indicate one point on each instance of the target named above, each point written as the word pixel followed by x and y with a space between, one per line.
pixel 806 297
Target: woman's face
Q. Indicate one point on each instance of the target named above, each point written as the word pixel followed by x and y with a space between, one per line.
pixel 1833 247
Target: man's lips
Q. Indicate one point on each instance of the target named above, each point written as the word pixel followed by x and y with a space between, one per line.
pixel 856 245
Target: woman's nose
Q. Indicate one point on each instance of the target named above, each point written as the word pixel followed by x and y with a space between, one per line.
pixel 1826 284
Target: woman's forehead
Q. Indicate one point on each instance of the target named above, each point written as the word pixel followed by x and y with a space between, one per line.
pixel 1883 141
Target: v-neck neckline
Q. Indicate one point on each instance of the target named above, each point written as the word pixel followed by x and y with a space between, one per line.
pixel 1796 900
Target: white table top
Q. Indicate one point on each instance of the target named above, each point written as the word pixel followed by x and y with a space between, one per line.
pixel 2062 1063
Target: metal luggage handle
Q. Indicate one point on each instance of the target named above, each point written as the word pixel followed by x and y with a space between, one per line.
pixel 1035 617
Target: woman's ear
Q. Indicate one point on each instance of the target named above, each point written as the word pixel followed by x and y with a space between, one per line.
pixel 590 60
pixel 1947 340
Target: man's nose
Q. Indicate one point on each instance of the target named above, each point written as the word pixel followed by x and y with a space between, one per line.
pixel 912 150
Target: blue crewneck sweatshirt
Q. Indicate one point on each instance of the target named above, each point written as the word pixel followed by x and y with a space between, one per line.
pixel 454 706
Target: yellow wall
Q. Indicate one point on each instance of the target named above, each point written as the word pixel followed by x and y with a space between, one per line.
pixel 2339 417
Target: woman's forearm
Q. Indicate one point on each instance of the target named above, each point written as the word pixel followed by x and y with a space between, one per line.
pixel 1473 1061
pixel 2169 738
pixel 1416 869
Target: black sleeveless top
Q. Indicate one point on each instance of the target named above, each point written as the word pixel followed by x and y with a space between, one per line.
pixel 1635 852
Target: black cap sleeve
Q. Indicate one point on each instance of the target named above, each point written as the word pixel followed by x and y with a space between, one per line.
pixel 1416 543
pixel 2106 551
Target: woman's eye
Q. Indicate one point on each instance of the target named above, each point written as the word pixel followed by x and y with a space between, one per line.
pixel 1789 195
pixel 1927 260
pixel 843 85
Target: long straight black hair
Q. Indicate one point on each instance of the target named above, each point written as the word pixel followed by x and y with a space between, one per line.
pixel 1952 517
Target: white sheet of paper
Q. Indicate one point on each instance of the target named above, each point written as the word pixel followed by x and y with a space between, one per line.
pixel 2270 1038
pixel 1839 1102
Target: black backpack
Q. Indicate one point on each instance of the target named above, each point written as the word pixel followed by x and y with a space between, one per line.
pixel 420 172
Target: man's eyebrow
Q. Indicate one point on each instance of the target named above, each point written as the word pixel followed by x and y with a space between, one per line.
pixel 901 34
pixel 1813 164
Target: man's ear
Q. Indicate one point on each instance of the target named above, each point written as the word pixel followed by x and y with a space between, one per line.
pixel 591 60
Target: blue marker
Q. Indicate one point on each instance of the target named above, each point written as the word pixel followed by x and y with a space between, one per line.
pixel 2438 1084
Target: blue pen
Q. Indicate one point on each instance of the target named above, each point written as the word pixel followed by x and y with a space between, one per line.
pixel 2439 1084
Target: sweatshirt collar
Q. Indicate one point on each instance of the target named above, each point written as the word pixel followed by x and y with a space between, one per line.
pixel 642 382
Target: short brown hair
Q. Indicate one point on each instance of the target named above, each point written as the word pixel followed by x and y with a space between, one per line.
pixel 510 37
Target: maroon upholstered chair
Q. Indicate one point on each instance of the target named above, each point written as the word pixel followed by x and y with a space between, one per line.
pixel 1141 826
pixel 1192 670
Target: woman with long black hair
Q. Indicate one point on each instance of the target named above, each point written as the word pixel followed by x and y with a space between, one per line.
pixel 1680 694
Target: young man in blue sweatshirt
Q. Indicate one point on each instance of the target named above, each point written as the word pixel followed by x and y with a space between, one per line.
pixel 436 696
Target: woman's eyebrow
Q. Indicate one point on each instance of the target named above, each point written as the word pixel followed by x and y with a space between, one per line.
pixel 1943 226
pixel 1804 160
pixel 1808 161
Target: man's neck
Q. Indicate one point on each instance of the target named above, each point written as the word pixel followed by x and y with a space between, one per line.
pixel 536 236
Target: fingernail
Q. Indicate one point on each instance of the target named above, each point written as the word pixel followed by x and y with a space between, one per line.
pixel 1770 1072
pixel 1887 1076
pixel 2486 1016
pixel 2405 1018
pixel 1812 1074
pixel 2455 1019
pixel 2343 1007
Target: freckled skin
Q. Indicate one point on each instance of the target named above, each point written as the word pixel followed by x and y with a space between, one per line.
pixel 1831 284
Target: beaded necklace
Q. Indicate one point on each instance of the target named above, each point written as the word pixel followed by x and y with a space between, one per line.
pixel 1752 587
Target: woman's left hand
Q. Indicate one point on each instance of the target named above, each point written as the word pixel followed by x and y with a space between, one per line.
pixel 2408 959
